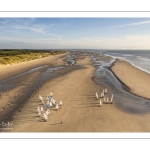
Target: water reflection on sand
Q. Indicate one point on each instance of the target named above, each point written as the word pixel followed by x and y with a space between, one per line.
pixel 122 98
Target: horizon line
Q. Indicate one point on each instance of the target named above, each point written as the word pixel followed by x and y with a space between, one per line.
pixel 65 49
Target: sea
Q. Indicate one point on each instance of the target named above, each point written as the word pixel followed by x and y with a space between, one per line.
pixel 138 58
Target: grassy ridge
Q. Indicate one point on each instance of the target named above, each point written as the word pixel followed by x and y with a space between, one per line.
pixel 17 56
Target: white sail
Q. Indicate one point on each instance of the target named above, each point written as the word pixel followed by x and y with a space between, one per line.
pixel 103 92
pixel 48 112
pixel 38 108
pixel 57 107
pixel 112 96
pixel 96 95
pixel 50 103
pixel 100 103
pixel 111 101
pixel 107 100
pixel 51 94
pixel 53 102
pixel 41 98
pixel 42 101
pixel 39 112
pixel 45 117
pixel 42 109
pixel 61 103
pixel 106 90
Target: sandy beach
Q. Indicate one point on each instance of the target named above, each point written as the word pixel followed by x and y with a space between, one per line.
pixel 138 81
pixel 73 85
pixel 11 70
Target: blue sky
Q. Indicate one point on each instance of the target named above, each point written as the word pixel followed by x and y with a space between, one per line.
pixel 75 33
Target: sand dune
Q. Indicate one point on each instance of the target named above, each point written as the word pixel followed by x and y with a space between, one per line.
pixel 10 70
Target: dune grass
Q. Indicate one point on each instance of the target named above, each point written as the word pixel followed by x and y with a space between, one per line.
pixel 17 56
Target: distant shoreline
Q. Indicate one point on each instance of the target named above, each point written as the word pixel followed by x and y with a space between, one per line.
pixel 73 85
pixel 122 59
pixel 136 80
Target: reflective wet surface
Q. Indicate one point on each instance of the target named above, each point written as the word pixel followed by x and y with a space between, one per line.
pixel 26 84
pixel 123 99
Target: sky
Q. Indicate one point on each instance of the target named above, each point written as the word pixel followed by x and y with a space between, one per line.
pixel 75 33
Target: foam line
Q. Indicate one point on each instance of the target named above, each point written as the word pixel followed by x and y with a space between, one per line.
pixel 129 62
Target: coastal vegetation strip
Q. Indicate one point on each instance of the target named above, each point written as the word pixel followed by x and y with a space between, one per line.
pixel 16 56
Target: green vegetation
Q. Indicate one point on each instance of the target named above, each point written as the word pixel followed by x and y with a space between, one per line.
pixel 17 56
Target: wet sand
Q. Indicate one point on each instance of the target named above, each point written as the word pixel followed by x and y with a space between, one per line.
pixel 14 69
pixel 80 112
pixel 138 81
pixel 20 81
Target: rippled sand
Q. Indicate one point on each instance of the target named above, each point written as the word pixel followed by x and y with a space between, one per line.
pixel 76 87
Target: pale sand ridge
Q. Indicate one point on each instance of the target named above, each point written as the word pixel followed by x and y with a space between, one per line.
pixel 138 81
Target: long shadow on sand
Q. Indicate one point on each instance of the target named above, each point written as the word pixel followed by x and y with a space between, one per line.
pixel 55 123
pixel 86 106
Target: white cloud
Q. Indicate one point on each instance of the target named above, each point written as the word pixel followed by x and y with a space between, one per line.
pixel 38 30
pixel 132 24
pixel 93 38
pixel 3 22
pixel 55 35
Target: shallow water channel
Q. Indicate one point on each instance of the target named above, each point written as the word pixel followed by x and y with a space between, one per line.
pixel 122 99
